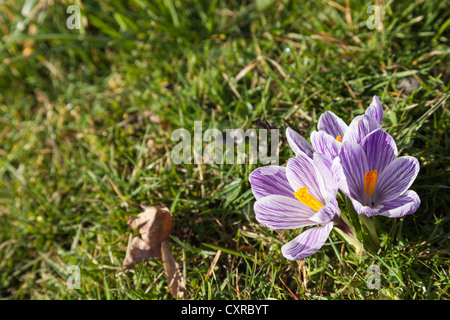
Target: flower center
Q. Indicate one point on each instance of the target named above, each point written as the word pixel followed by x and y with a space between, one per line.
pixel 338 138
pixel 370 181
pixel 307 199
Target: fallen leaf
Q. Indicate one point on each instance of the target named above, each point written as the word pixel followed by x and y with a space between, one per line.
pixel 175 280
pixel 155 225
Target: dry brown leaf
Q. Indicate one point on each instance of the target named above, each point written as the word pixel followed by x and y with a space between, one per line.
pixel 138 252
pixel 155 225
pixel 175 280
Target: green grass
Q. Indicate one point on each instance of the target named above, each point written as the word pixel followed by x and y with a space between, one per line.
pixel 86 118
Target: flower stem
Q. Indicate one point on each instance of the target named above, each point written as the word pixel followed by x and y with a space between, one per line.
pixel 370 231
pixel 353 216
pixel 347 231
pixel 364 226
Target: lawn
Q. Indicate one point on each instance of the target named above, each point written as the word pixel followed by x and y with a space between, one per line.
pixel 86 122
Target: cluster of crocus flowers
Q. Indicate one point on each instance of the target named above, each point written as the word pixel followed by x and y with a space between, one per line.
pixel 360 160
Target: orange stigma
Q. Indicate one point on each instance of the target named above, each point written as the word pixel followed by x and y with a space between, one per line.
pixel 370 181
pixel 338 138
pixel 307 199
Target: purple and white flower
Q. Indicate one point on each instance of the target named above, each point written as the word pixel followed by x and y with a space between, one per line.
pixel 332 131
pixel 374 178
pixel 298 144
pixel 302 194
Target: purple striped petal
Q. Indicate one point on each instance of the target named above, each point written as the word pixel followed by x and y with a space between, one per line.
pixel 332 124
pixel 278 212
pixel 298 144
pixel 324 164
pixel 301 172
pixel 360 127
pixel 341 180
pixel 380 150
pixel 327 213
pixel 324 143
pixel 375 110
pixel 307 243
pixel 366 210
pixel 354 166
pixel 270 180
pixel 405 204
pixel 339 177
pixel 396 179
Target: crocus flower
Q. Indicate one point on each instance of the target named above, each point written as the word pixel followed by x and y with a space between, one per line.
pixel 332 131
pixel 302 194
pixel 298 144
pixel 374 178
